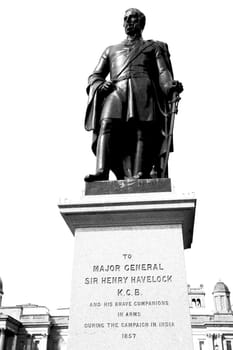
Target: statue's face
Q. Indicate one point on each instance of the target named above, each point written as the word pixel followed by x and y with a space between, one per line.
pixel 132 23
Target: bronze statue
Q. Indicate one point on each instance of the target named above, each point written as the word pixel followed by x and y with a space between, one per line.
pixel 130 114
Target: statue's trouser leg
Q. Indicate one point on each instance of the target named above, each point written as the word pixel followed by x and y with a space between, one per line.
pixel 138 159
pixel 103 148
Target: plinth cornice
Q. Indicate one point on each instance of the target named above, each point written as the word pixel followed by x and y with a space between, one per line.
pixel 131 210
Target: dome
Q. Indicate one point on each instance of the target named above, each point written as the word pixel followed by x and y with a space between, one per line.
pixel 221 287
pixel 1 286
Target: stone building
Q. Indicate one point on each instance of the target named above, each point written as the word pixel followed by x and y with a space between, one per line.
pixel 211 330
pixel 33 327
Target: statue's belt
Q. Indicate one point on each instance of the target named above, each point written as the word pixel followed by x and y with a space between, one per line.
pixel 129 75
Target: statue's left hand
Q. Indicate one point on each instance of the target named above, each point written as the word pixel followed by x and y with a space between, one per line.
pixel 175 86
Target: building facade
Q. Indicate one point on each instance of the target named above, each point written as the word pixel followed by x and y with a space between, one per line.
pixel 33 327
pixel 211 330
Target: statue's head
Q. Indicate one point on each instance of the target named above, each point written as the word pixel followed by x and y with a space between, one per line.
pixel 134 21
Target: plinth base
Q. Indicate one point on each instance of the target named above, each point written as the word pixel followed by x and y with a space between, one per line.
pixel 129 287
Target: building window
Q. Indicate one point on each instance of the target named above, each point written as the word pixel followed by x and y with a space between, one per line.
pixel 229 345
pixel 196 302
pixel 222 302
pixel 201 345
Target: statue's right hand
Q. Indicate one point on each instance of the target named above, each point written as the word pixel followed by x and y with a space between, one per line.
pixel 107 87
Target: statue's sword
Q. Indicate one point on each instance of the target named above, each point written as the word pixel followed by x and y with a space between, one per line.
pixel 173 111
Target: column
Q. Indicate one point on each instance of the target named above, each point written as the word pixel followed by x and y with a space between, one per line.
pixel 2 338
pixel 196 342
pixel 217 342
pixel 43 342
pixel 29 342
pixel 209 341
pixel 223 342
pixel 14 343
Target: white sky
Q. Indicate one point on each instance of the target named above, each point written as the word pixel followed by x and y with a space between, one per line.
pixel 48 49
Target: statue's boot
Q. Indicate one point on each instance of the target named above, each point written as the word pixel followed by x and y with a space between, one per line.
pixel 102 161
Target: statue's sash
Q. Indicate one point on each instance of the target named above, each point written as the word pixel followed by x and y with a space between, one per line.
pixel 133 55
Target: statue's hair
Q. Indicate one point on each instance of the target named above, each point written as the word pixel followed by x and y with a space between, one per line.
pixel 142 17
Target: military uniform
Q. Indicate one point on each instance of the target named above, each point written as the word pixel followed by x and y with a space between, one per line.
pixel 141 72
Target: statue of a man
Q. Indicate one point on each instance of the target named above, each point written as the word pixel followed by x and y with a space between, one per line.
pixel 128 114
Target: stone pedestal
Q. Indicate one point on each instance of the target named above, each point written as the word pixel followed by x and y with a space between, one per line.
pixel 129 287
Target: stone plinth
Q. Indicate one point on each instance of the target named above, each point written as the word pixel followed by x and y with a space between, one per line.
pixel 129 287
pixel 128 186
